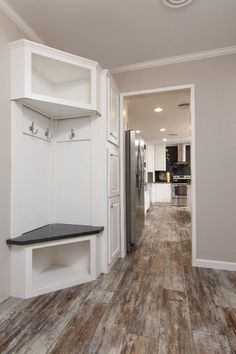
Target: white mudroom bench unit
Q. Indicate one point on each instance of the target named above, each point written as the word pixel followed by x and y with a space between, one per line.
pixel 62 117
pixel 53 257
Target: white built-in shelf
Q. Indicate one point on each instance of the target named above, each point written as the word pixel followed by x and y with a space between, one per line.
pixel 60 266
pixel 54 83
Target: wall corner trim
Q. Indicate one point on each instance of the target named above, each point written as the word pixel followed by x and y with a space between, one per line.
pixel 220 265
pixel 19 21
pixel 176 59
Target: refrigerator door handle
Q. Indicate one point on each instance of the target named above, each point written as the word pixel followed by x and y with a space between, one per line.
pixel 139 170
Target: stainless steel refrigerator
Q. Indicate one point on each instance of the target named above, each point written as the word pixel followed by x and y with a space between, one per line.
pixel 134 151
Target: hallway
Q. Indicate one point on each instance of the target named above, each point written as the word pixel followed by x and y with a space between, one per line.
pixel 152 301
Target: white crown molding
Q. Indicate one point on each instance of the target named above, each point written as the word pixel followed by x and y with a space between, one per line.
pixel 177 59
pixel 19 21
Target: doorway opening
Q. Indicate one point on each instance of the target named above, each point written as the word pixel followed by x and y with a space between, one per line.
pixel 164 120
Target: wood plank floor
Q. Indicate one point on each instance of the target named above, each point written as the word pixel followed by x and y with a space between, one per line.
pixel 153 301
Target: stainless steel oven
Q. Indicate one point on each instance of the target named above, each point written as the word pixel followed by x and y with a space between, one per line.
pixel 179 194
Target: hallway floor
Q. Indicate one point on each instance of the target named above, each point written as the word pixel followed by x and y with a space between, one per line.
pixel 153 301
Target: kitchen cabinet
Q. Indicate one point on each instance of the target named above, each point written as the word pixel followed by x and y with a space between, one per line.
pixel 160 158
pixel 113 171
pixel 113 126
pixel 113 228
pixel 188 153
pixel 113 166
pixel 56 84
pixel 161 193
pixel 150 158
pixel 171 156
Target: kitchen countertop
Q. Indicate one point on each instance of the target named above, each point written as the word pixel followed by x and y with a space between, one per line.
pixel 159 183
pixel 174 182
pixel 54 232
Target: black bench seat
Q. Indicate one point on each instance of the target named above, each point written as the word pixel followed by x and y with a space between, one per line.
pixel 54 232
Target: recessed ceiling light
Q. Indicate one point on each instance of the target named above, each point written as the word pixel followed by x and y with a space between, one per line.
pixel 158 109
pixel 138 131
pixel 162 129
pixel 176 3
pixel 164 139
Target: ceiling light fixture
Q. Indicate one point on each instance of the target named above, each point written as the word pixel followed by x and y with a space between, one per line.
pixel 138 131
pixel 176 3
pixel 158 109
pixel 162 129
pixel 164 139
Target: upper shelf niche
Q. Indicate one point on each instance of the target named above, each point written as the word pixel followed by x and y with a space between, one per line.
pixel 54 83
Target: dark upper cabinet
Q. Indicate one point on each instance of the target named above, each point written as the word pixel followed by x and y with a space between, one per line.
pixel 171 156
pixel 188 153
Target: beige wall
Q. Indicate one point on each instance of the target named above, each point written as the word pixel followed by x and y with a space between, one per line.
pixel 215 92
pixel 8 32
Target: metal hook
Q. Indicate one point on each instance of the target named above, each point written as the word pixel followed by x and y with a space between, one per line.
pixel 32 129
pixel 72 134
pixel 47 134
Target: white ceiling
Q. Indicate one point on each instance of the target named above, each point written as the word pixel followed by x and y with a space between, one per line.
pixel 122 32
pixel 141 116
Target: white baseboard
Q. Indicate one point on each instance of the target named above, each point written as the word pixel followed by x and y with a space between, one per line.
pixel 206 263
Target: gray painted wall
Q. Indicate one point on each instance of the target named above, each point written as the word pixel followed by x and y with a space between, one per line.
pixel 215 93
pixel 8 32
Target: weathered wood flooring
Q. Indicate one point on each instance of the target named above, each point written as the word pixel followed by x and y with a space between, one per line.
pixel 152 301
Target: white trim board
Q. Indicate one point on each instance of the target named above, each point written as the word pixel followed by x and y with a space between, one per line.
pixel 207 263
pixel 19 21
pixel 176 59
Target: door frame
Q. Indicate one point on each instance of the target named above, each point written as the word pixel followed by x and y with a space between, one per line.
pixel 193 161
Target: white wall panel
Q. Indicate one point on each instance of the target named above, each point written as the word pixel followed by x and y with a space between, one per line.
pixel 73 179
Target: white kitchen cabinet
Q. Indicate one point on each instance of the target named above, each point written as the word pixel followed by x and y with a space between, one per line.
pixel 113 112
pixel 161 192
pixel 113 228
pixel 54 83
pixel 160 158
pixel 150 158
pixel 113 171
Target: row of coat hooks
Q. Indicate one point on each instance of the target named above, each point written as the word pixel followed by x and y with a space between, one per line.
pixel 47 133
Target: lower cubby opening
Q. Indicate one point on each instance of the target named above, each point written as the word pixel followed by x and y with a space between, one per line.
pixel 59 265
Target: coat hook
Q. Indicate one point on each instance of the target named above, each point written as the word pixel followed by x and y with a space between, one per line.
pixel 72 134
pixel 32 129
pixel 47 134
